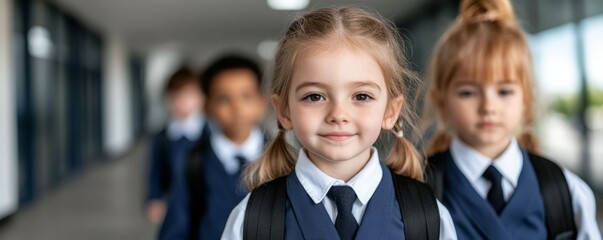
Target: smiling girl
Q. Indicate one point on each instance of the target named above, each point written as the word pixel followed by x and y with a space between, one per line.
pixel 340 79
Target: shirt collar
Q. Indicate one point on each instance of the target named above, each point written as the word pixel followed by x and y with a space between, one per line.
pixel 473 164
pixel 190 128
pixel 226 149
pixel 317 183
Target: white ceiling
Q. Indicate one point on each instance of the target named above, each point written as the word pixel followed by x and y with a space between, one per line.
pixel 204 24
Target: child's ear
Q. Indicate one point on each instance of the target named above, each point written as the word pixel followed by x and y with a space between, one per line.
pixel 392 113
pixel 283 118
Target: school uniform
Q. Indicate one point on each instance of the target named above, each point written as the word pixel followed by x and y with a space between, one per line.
pixel 311 212
pixel 465 194
pixel 169 151
pixel 222 164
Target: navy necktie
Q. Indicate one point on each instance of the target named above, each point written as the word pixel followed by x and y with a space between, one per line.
pixel 242 160
pixel 495 195
pixel 345 223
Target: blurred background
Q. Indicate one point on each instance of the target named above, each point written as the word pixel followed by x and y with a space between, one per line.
pixel 81 83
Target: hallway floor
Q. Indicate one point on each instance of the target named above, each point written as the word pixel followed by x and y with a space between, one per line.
pixel 103 202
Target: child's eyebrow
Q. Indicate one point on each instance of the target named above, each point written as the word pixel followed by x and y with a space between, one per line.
pixel 310 84
pixel 508 81
pixel 366 83
pixel 463 83
pixel 476 83
pixel 325 86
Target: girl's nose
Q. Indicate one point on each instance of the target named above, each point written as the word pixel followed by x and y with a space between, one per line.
pixel 487 104
pixel 337 113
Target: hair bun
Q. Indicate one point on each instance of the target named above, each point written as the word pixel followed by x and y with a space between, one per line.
pixel 475 11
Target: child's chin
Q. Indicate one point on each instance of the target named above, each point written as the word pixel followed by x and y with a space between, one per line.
pixel 337 155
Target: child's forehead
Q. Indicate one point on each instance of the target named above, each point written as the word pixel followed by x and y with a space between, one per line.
pixel 185 87
pixel 338 68
pixel 234 81
pixel 235 76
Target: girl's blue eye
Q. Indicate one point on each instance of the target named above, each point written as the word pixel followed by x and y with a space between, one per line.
pixel 314 97
pixel 362 97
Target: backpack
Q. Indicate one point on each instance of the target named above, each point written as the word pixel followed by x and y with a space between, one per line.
pixel 196 183
pixel 558 210
pixel 165 176
pixel 265 213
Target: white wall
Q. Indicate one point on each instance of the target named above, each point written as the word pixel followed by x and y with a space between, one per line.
pixel 117 103
pixel 160 63
pixel 8 141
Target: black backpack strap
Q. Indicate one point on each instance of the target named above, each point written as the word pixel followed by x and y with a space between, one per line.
pixel 557 199
pixel 165 177
pixel 196 188
pixel 265 213
pixel 435 173
pixel 418 207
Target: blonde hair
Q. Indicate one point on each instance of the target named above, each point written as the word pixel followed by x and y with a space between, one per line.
pixel 486 43
pixel 323 28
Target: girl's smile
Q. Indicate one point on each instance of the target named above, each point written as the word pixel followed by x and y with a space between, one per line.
pixel 337 136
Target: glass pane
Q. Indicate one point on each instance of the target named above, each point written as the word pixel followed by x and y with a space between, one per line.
pixel 557 81
pixel 593 37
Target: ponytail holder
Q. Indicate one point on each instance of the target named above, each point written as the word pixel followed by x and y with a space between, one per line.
pixel 487 17
pixel 399 133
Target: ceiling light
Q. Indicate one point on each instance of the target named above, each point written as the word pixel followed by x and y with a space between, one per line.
pixel 288 4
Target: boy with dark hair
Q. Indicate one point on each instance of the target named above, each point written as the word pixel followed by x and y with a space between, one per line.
pixel 234 106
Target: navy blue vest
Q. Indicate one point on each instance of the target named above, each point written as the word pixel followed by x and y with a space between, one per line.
pixel 306 220
pixel 474 218
pixel 223 192
pixel 176 219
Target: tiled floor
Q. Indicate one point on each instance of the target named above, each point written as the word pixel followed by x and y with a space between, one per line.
pixel 104 202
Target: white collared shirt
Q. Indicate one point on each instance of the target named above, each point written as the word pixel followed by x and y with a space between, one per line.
pixel 473 165
pixel 510 163
pixel 226 150
pixel 317 183
pixel 191 128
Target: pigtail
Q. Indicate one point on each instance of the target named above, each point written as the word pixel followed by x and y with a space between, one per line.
pixel 529 141
pixel 277 160
pixel 404 159
pixel 439 143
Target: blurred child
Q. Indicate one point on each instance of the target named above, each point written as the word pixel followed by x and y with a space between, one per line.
pixel 171 145
pixel 235 106
pixel 494 184
pixel 340 79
